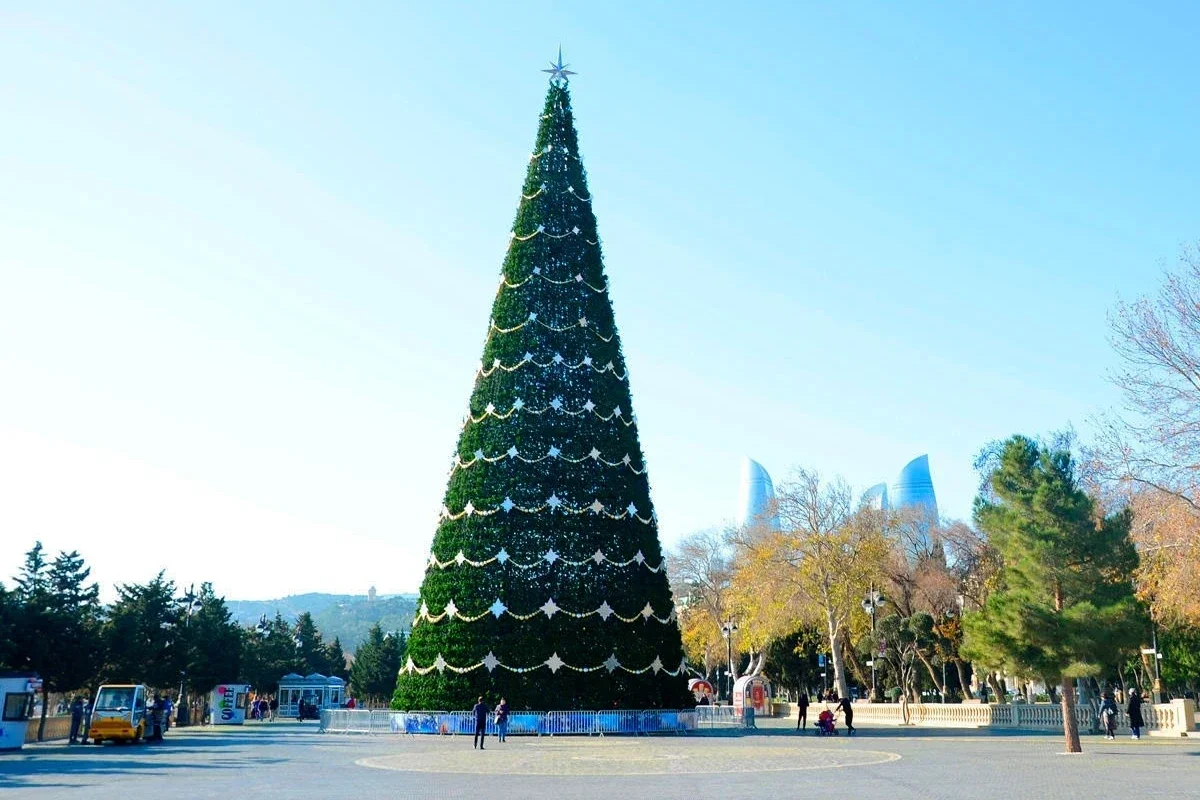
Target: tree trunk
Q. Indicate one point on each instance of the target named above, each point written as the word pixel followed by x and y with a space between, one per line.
pixel 963 683
pixel 863 676
pixel 1001 697
pixel 45 708
pixel 1070 724
pixel 835 654
pixel 933 675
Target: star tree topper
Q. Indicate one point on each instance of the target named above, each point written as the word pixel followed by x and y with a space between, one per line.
pixel 559 72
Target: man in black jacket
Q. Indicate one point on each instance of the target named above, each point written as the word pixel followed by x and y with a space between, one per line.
pixel 481 715
pixel 802 710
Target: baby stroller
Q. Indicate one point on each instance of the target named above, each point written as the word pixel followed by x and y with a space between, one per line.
pixel 825 726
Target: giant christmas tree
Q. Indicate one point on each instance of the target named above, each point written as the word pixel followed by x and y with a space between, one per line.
pixel 546 582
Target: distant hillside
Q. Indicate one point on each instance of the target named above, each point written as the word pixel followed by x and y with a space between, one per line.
pixel 347 616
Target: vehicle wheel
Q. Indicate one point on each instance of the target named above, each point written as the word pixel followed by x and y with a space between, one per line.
pixel 98 740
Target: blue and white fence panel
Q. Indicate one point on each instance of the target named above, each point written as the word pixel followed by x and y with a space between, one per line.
pixel 527 723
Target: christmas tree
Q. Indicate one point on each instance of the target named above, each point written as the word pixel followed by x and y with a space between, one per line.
pixel 546 583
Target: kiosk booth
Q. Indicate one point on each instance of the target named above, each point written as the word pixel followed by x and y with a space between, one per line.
pixel 315 690
pixel 752 692
pixel 227 703
pixel 17 690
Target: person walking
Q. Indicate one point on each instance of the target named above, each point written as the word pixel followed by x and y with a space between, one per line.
pixel 1134 710
pixel 168 707
pixel 802 710
pixel 273 707
pixel 1108 716
pixel 847 709
pixel 76 719
pixel 502 721
pixel 481 714
pixel 156 720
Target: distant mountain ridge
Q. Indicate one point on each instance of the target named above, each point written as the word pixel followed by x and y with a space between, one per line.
pixel 347 617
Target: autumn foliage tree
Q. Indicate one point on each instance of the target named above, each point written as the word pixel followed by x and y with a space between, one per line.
pixel 1150 450
pixel 814 569
pixel 701 570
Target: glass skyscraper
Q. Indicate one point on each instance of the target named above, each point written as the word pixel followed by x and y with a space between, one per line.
pixel 755 493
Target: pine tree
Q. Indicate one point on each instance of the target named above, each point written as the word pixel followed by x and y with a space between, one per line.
pixel 546 582
pixel 141 635
pixel 268 653
pixel 336 657
pixel 57 623
pixel 214 643
pixel 309 646
pixel 1066 604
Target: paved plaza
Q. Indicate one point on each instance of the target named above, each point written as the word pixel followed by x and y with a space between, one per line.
pixel 291 760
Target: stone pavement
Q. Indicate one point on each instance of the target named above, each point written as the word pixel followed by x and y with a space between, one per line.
pixel 292 760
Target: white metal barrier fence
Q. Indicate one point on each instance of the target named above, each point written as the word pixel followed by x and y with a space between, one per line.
pixel 520 723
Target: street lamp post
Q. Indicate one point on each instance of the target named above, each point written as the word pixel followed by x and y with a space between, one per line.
pixel 871 603
pixel 182 716
pixel 727 629
pixel 1157 696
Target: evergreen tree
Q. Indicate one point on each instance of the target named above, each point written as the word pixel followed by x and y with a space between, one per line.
pixel 142 635
pixel 1065 605
pixel 9 612
pixel 310 649
pixel 214 643
pixel 376 663
pixel 269 652
pixel 336 657
pixel 57 623
pixel 546 581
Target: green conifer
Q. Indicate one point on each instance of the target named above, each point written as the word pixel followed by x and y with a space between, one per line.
pixel 546 582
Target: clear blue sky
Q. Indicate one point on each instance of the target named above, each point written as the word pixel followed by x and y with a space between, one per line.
pixel 247 254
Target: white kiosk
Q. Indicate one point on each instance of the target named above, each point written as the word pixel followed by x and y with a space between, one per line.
pixel 17 690
pixel 227 704
pixel 752 692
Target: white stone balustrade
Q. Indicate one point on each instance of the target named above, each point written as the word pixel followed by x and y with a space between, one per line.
pixel 1176 718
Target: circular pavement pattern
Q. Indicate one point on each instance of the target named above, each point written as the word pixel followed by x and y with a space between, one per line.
pixel 609 757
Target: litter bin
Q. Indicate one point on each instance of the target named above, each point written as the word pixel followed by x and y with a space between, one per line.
pixel 17 690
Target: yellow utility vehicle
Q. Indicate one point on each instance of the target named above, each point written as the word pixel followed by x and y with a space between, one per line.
pixel 119 713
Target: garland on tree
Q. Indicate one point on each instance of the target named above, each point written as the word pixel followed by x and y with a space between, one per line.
pixel 547 489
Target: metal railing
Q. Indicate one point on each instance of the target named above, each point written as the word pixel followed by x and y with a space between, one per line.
pixel 520 723
pixel 719 717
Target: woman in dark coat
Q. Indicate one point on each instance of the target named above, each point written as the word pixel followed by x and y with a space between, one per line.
pixel 1136 723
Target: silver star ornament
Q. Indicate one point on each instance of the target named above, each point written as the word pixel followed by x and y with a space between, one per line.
pixel 559 72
